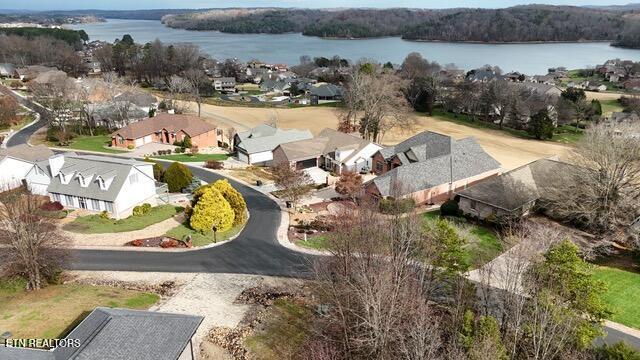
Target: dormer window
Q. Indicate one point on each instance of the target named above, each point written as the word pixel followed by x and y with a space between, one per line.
pixel 81 180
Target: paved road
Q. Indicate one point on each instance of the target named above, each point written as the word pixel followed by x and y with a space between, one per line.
pixel 255 251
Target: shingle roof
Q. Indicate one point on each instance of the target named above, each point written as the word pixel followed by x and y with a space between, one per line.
pixel 113 109
pixel 266 138
pixel 105 167
pixel 192 125
pixel 139 98
pixel 460 160
pixel 111 334
pixel 27 153
pixel 422 146
pixel 520 186
pixel 325 90
pixel 328 140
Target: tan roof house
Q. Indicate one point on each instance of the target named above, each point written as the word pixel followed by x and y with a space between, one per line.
pixel 166 129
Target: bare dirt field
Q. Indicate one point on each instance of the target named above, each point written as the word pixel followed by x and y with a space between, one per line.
pixel 603 95
pixel 509 150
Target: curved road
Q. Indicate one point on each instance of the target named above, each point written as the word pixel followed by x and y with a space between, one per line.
pixel 255 251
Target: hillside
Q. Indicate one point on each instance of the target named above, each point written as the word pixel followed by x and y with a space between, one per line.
pixel 515 24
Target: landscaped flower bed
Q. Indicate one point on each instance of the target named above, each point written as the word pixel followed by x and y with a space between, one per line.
pixel 160 241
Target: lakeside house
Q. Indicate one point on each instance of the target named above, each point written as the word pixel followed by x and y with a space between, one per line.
pixel 113 333
pixel 114 114
pixel 429 167
pixel 226 84
pixel 515 193
pixel 255 146
pixel 331 150
pixel 17 161
pixel 167 129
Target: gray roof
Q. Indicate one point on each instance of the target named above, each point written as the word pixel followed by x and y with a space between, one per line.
pixel 116 334
pixel 86 165
pixel 6 69
pixel 112 110
pixel 327 141
pixel 425 145
pixel 461 159
pixel 266 138
pixel 27 153
pixel 325 90
pixel 139 98
pixel 520 186
pixel 540 88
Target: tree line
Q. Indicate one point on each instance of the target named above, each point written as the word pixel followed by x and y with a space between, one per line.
pixel 516 24
pixel 40 50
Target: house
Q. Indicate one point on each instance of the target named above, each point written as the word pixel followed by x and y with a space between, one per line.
pixel 7 70
pixel 141 99
pixel 541 88
pixel 17 161
pixel 255 146
pixel 632 85
pixel 543 79
pixel 114 334
pixel 325 92
pixel 167 129
pixel 227 84
pixel 483 75
pixel 95 183
pixel 429 167
pixel 275 86
pixel 515 193
pixel 31 72
pixel 331 150
pixel 114 114
pixel 597 87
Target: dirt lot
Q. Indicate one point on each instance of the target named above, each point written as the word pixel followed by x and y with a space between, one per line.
pixel 509 150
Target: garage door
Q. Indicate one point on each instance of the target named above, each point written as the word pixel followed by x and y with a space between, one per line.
pixel 305 164
pixel 139 142
pixel 148 139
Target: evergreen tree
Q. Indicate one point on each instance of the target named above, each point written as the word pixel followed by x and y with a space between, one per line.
pixel 212 212
pixel 177 177
pixel 234 198
pixel 541 126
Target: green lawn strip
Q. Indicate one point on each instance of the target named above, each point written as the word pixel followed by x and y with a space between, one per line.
pixel 484 244
pixel 282 332
pixel 567 134
pixel 314 242
pixel 623 292
pixel 94 224
pixel 53 311
pixel 202 239
pixel 91 143
pixel 193 158
pixel 610 106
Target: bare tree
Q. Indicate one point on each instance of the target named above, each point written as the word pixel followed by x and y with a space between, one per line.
pixel 293 183
pixel 199 83
pixel 33 246
pixel 179 88
pixel 601 191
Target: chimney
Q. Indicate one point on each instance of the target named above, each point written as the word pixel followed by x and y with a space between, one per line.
pixel 55 164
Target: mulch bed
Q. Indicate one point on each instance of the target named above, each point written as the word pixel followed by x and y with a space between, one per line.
pixel 159 241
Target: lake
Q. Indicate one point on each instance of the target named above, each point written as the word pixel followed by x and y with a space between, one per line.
pixel 287 48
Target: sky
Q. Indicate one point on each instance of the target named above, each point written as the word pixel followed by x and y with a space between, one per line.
pixel 161 4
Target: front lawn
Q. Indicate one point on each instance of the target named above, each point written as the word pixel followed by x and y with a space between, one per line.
pixel 94 224
pixel 315 242
pixel 483 242
pixel 623 292
pixel 193 158
pixel 610 106
pixel 97 143
pixel 53 311
pixel 203 239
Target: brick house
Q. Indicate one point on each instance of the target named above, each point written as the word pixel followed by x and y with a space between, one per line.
pixel 166 129
pixel 429 167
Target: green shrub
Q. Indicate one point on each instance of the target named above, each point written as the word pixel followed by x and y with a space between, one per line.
pixel 450 208
pixel 396 206
pixel 130 147
pixel 617 351
pixel 186 143
pixel 104 215
pixel 177 177
pixel 141 209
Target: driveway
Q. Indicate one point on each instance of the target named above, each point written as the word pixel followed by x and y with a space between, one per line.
pixel 318 175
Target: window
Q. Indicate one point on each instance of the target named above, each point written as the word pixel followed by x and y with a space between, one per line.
pixel 474 204
pixel 82 202
pixel 56 197
pixel 379 166
pixel 133 178
pixel 68 199
pixel 108 206
pixel 95 204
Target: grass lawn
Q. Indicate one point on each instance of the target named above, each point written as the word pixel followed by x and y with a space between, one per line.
pixel 622 294
pixel 200 239
pixel 94 224
pixel 53 311
pixel 315 242
pixel 610 106
pixel 483 243
pixel 92 143
pixel 282 332
pixel 193 158
pixel 567 134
